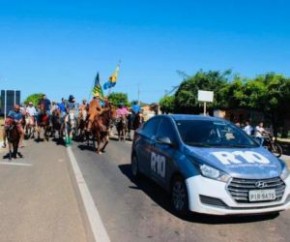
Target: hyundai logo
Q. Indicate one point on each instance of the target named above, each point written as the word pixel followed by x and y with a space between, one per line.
pixel 260 184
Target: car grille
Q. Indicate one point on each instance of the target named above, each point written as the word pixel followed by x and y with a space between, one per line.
pixel 239 188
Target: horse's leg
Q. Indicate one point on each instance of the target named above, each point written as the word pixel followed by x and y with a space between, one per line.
pixel 119 133
pixel 125 132
pixel 98 148
pixel 46 136
pixel 10 150
pixel 97 142
pixel 15 149
pixel 106 141
pixel 38 133
pixel 32 132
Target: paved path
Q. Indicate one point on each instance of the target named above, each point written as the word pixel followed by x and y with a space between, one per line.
pixel 38 200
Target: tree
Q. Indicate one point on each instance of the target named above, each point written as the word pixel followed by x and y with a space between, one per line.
pixel 167 104
pixel 186 100
pixel 117 98
pixel 34 98
pixel 271 95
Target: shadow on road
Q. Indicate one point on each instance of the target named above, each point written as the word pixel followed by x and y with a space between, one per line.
pixel 162 199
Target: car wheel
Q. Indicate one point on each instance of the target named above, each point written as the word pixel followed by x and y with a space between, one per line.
pixel 179 197
pixel 134 166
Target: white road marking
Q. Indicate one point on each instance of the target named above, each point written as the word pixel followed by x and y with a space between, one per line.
pixel 97 226
pixel 13 163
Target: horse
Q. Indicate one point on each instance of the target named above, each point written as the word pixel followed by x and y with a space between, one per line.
pixel 121 126
pixel 57 124
pixel 137 121
pixel 29 126
pixel 101 128
pixel 134 122
pixel 43 122
pixel 13 138
pixel 70 122
pixel 81 124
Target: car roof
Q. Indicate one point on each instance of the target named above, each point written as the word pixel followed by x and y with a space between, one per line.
pixel 178 117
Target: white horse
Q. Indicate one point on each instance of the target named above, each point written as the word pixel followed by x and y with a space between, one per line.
pixel 70 126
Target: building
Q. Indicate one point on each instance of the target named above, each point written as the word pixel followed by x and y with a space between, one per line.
pixel 8 99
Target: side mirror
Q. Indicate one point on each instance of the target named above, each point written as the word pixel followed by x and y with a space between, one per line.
pixel 165 141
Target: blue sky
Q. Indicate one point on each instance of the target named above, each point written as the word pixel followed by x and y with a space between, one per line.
pixel 57 47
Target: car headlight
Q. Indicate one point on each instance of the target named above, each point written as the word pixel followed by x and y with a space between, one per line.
pixel 284 173
pixel 213 173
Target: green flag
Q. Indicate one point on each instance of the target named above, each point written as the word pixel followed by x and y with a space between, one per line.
pixel 97 90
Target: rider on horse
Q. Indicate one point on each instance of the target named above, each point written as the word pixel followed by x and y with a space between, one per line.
pixel 136 114
pixel 44 108
pixel 70 119
pixel 95 109
pixel 136 109
pixel 31 111
pixel 62 108
pixel 83 106
pixel 14 116
pixel 121 111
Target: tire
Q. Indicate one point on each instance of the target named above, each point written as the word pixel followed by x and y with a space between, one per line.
pixel 135 166
pixel 277 150
pixel 179 196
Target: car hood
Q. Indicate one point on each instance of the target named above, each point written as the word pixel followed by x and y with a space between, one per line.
pixel 249 163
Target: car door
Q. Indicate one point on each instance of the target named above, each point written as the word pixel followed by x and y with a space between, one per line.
pixel 147 134
pixel 162 156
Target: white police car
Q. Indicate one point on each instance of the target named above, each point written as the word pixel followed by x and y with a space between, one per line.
pixel 210 166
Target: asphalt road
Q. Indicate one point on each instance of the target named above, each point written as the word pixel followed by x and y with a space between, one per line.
pixel 140 211
pixel 38 202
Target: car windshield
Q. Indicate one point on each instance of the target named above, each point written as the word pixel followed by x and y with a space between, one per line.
pixel 206 133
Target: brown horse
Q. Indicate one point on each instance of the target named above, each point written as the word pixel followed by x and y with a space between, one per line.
pixel 137 121
pixel 43 122
pixel 13 137
pixel 57 124
pixel 121 126
pixel 82 124
pixel 101 128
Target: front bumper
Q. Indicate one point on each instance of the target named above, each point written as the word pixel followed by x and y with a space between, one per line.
pixel 211 197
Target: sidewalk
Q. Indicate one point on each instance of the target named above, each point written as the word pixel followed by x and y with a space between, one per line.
pixel 38 201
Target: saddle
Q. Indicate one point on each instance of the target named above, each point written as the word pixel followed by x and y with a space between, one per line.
pixel 44 118
pixel 10 127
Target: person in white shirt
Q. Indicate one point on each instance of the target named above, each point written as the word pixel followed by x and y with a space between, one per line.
pixel 30 109
pixel 260 132
pixel 248 128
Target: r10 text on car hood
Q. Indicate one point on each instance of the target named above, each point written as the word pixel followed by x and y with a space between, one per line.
pixel 243 163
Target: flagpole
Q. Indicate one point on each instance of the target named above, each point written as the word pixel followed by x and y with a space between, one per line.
pixel 90 93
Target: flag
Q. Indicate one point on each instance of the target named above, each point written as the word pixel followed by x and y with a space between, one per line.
pixel 97 90
pixel 112 79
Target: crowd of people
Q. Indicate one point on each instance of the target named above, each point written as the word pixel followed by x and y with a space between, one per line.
pixel 66 108
pixel 258 131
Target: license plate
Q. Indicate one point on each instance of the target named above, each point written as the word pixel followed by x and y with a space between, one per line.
pixel 262 195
